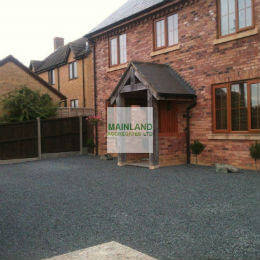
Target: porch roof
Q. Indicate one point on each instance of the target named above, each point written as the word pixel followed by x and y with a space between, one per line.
pixel 161 79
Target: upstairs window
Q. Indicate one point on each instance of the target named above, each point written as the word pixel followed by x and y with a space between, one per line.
pixel 74 103
pixel 235 16
pixel 73 70
pixel 51 77
pixel 237 107
pixel 166 31
pixel 118 50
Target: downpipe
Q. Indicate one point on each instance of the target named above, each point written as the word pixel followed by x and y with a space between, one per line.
pixel 187 129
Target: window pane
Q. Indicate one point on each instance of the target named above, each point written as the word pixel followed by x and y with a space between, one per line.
pixel 75 69
pixel 228 16
pixel 173 29
pixel 221 108
pixel 76 103
pixel 160 33
pixel 71 71
pixel 113 50
pixel 239 107
pixel 53 77
pixel 245 13
pixel 255 106
pixel 122 40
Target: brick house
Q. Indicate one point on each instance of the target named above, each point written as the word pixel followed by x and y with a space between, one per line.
pixel 13 75
pixel 69 69
pixel 197 63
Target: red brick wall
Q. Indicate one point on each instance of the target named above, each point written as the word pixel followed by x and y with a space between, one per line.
pixel 199 62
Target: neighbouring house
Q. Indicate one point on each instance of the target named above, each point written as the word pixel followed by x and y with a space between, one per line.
pixel 69 69
pixel 197 63
pixel 13 75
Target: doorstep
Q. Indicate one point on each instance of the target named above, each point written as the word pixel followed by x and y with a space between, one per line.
pixel 107 251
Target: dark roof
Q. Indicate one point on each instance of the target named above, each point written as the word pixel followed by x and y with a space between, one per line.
pixel 35 64
pixel 163 79
pixel 130 9
pixel 10 58
pixel 60 56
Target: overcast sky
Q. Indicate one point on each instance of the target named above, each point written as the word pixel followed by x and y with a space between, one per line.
pixel 27 27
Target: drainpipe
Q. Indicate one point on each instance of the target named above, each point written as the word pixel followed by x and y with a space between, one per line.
pixel 58 78
pixel 95 94
pixel 83 81
pixel 188 117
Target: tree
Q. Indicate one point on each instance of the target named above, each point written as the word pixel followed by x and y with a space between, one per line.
pixel 197 148
pixel 255 152
pixel 25 104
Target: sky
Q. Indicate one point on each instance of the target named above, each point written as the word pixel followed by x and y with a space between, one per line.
pixel 27 27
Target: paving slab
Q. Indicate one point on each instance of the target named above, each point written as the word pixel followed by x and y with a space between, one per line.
pixel 107 251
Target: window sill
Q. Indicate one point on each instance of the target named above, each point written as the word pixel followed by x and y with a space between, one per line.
pixel 162 51
pixel 246 137
pixel 119 67
pixel 236 36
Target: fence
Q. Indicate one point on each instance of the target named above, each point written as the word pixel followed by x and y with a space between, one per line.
pixel 73 112
pixel 34 138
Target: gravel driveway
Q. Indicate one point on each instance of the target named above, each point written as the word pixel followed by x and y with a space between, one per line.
pixel 53 207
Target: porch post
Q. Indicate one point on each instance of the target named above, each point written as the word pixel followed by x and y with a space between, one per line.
pixel 120 102
pixel 154 157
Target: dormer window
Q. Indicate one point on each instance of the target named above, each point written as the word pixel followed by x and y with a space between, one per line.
pixel 73 70
pixel 118 50
pixel 235 16
pixel 166 32
pixel 51 77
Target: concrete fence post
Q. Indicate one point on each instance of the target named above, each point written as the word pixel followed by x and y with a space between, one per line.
pixel 39 138
pixel 81 134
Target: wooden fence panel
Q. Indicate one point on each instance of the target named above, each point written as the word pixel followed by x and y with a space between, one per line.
pixel 18 140
pixel 60 135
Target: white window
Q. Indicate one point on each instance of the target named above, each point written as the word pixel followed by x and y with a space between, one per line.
pixel 74 103
pixel 118 50
pixel 73 70
pixel 51 75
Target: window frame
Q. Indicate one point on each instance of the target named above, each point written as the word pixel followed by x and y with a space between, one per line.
pixel 73 70
pixel 237 19
pixel 166 37
pixel 229 116
pixel 51 77
pixel 117 37
pixel 73 100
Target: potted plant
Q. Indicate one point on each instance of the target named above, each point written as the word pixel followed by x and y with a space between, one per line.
pixel 197 148
pixel 255 152
pixel 90 145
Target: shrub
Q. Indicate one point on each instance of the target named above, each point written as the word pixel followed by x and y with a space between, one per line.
pixel 197 148
pixel 255 152
pixel 25 104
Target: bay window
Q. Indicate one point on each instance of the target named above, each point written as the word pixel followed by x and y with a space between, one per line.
pixel 237 107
